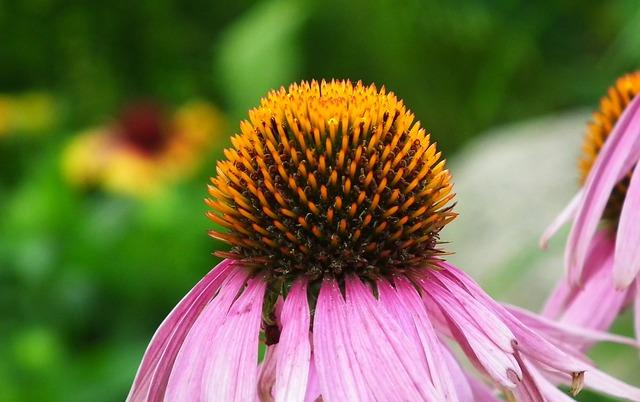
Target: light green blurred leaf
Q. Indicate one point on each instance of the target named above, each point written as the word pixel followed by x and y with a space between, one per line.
pixel 260 51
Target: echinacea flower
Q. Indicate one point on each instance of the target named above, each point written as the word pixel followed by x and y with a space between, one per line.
pixel 332 199
pixel 602 255
pixel 146 148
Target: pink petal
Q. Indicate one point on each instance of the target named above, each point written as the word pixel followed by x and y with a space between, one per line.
pixel 566 333
pixel 567 214
pixel 171 333
pixel 481 391
pixel 485 319
pixel 627 255
pixel 531 343
pixel 528 389
pixel 468 387
pixel 294 347
pixel 609 168
pixel 600 253
pixel 338 372
pixel 636 309
pixel 186 378
pixel 497 363
pixel 230 374
pixel 561 295
pixel 267 373
pixel 549 390
pixel 313 387
pixel 386 354
pixel 405 303
pixel 459 380
pixel 597 304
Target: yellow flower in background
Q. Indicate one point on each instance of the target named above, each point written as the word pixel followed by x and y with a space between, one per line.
pixel 28 113
pixel 145 149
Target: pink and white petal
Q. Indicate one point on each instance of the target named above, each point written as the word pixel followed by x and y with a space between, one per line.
pixel 530 342
pixel 567 333
pixel 485 318
pixel 560 297
pixel 550 391
pixel 388 297
pixel 267 374
pixel 405 303
pixel 528 389
pixel 186 378
pixel 173 329
pixel 599 259
pixel 627 255
pixel 313 386
pixel 481 391
pixel 385 353
pixel 607 171
pixel 601 251
pixel 231 374
pixel 597 304
pixel 567 214
pixel 636 309
pixel 339 374
pixel 468 387
pixel 497 363
pixel 459 380
pixel 294 346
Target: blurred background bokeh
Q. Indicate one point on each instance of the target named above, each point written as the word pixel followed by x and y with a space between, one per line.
pixel 112 115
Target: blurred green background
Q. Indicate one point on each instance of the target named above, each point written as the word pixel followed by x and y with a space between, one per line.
pixel 87 275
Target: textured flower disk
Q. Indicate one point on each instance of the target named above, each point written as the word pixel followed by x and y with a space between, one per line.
pixel 330 178
pixel 611 107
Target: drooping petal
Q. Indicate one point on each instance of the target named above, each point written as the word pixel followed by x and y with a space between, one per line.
pixel 481 391
pixel 528 389
pixel 627 255
pixel 560 297
pixel 549 390
pixel 530 343
pixel 295 350
pixel 565 332
pixel 485 319
pixel 598 303
pixel 497 362
pixel 385 354
pixel 169 337
pixel 564 294
pixel 313 387
pixel 459 380
pixel 267 374
pixel 186 378
pixel 636 309
pixel 339 375
pixel 567 214
pixel 610 166
pixel 231 372
pixel 468 387
pixel 405 305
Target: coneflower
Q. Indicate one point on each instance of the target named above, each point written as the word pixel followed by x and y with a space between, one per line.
pixel 602 255
pixel 332 199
